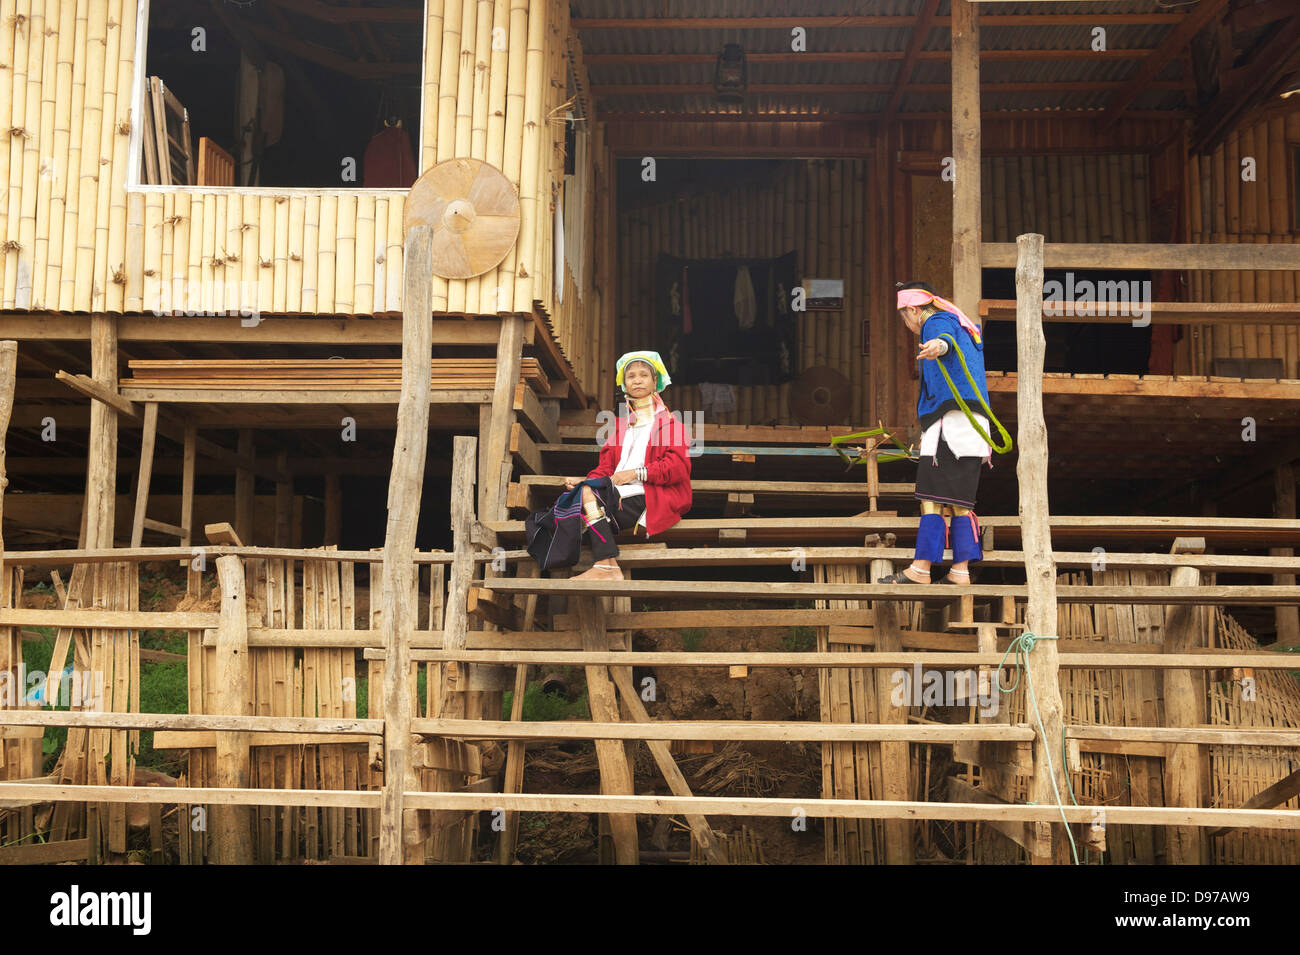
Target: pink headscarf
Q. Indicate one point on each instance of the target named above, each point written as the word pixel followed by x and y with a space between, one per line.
pixel 919 297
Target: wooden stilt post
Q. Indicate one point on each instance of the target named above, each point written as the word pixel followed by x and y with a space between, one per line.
pixel 333 509
pixel 148 437
pixel 1288 618
pixel 895 758
pixel 283 502
pixel 1047 841
pixel 500 418
pixel 405 483
pixel 8 371
pixel 615 771
pixel 966 231
pixel 244 491
pixel 193 578
pixel 232 831
pixel 1185 703
pixel 663 757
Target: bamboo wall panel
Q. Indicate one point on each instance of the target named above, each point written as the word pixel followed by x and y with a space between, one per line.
pixel 74 239
pixel 1067 198
pixel 816 208
pixel 1224 207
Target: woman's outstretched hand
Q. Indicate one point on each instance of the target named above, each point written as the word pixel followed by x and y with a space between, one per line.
pixel 571 483
pixel 933 348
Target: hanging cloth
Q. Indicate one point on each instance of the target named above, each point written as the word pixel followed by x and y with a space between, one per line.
pixel 745 304
pixel 389 162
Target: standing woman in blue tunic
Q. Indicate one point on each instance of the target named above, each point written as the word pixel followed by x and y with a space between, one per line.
pixel 953 451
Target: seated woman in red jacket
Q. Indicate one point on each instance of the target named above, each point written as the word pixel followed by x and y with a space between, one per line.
pixel 647 462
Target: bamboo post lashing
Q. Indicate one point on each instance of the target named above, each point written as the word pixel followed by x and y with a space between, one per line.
pixel 1048 784
pixel 405 483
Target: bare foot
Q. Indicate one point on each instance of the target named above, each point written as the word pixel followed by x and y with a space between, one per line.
pixel 601 572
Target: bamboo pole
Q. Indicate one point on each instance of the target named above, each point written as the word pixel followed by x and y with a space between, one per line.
pixel 71 198
pixel 194 254
pixel 310 252
pixel 377 250
pixel 393 256
pixel 432 81
pixel 212 264
pixel 17 30
pixel 345 254
pixel 183 207
pixel 47 108
pixel 531 204
pixel 114 146
pixel 264 268
pixel 162 263
pixel 280 267
pixel 28 142
pixel 325 255
pixel 91 119
pixel 244 222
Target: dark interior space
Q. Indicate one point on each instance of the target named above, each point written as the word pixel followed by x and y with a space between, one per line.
pixel 329 88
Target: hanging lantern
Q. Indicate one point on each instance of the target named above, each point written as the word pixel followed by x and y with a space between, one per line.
pixel 731 78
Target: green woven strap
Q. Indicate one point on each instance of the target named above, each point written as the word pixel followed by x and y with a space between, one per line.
pixel 961 403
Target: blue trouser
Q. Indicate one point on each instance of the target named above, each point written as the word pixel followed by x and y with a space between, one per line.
pixel 933 537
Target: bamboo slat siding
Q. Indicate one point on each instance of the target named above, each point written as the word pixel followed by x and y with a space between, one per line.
pixel 1080 198
pixel 1222 207
pixel 76 240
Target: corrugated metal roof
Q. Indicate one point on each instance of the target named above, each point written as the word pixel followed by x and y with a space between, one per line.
pixel 889 40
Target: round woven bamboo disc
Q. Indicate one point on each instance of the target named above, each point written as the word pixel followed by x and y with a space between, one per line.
pixel 820 395
pixel 474 212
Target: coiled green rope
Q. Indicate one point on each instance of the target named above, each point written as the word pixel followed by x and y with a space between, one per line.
pixel 1023 645
pixel 961 403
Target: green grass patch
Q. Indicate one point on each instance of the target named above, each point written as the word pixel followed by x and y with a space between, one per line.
pixel 799 640
pixel 692 637
pixel 540 706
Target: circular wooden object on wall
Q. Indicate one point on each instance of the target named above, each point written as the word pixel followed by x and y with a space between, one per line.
pixel 820 395
pixel 473 211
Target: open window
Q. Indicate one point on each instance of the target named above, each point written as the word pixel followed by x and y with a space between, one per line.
pixel 282 93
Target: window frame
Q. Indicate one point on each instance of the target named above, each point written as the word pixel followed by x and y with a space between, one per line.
pixel 135 146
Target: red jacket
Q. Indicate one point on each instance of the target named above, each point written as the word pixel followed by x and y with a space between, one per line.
pixel 668 470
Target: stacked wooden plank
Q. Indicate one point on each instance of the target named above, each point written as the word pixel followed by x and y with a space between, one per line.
pixel 383 374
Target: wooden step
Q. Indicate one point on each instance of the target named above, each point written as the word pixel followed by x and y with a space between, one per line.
pixel 1264 595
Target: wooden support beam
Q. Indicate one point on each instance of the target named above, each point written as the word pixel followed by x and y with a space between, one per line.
pixel 663 756
pixel 1171 256
pixel 967 231
pixel 724 730
pixel 1171 47
pixel 406 481
pixel 456 627
pixel 244 486
pixel 232 833
pixel 1049 782
pixel 333 510
pixel 916 39
pixel 615 771
pixel 145 474
pixel 1184 692
pixel 8 371
pixel 895 758
pixel 1275 795
pixel 500 416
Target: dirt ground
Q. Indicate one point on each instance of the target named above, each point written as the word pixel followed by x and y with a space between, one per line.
pixel 782 770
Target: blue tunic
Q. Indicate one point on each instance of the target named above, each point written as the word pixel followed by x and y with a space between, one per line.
pixel 935 397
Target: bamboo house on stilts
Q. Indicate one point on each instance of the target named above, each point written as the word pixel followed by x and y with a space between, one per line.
pixel 307 304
